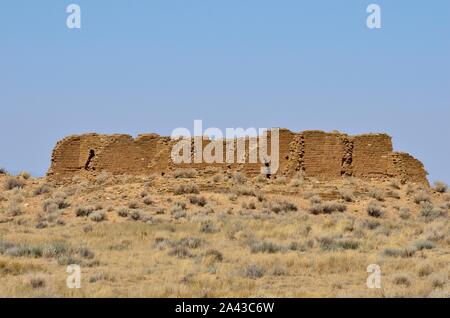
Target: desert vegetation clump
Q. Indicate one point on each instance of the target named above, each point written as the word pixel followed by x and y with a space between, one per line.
pixel 447 197
pixel 213 256
pixel 254 271
pixel 180 252
pixel 424 270
pixel 207 227
pixel 265 247
pixel 123 212
pixel 430 213
pixel 424 245
pixel 422 197
pixel 238 178
pixel 439 280
pixel 133 204
pixel 37 282
pixel 136 215
pixel 25 175
pixel 81 211
pixel 98 216
pixel 296 182
pixel 395 184
pixel 198 200
pixel 178 210
pixel 402 279
pixel 15 208
pixel 186 188
pixel 406 252
pixel 404 213
pixel 249 205
pixel 184 173
pixel 102 178
pixel 42 189
pixel 243 190
pixel 147 200
pixel 347 195
pixel 327 207
pixel 330 243
pixel 440 187
pixel 59 198
pixel 393 194
pixel 46 250
pixel 12 183
pixel 281 180
pixel 377 194
pixel 282 206
pixel 375 210
pixel 101 276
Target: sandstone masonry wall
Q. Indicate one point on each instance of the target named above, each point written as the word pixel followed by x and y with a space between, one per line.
pixel 318 154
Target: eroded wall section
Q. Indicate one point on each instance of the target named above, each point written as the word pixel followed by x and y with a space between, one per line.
pixel 318 154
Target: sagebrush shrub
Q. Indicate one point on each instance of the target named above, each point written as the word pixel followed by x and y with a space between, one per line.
pixel 186 188
pixel 15 209
pixel 239 178
pixel 84 210
pixel 184 173
pixel 375 210
pixel 265 247
pixel 440 187
pixel 198 200
pixel 376 194
pixel 283 206
pixel 430 213
pixel 346 194
pixel 25 175
pixel 147 200
pixel 424 245
pixel 244 190
pixel 123 212
pixel 400 252
pixel 98 216
pixel 421 197
pixel 13 183
pixel 254 271
pixel 327 207
pixel 37 282
pixel 402 279
pixel 41 189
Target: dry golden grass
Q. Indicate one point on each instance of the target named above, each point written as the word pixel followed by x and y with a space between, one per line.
pixel 237 237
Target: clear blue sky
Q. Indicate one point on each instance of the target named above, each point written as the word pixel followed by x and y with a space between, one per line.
pixel 152 66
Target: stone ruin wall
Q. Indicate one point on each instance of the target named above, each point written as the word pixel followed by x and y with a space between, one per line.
pixel 325 156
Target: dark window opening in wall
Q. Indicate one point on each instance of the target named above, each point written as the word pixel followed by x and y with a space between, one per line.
pixel 267 170
pixel 89 161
